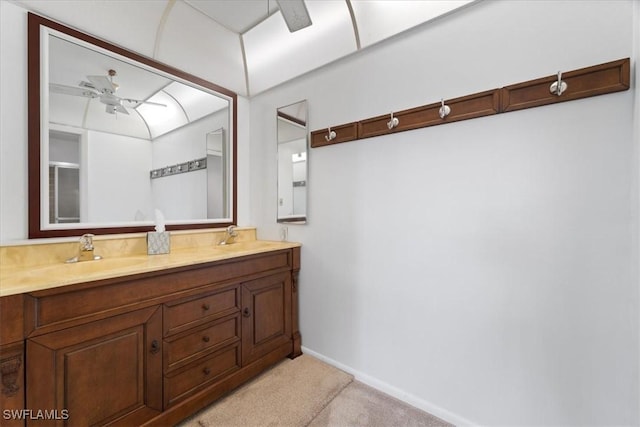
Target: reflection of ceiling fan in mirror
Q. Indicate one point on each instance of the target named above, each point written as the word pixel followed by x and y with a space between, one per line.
pixel 101 87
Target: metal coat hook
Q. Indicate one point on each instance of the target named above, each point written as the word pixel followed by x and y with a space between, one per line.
pixel 444 109
pixel 331 136
pixel 393 122
pixel 558 87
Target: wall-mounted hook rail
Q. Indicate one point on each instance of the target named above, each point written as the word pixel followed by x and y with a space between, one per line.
pixel 558 87
pixel 331 135
pixel 444 110
pixel 394 122
pixel 595 80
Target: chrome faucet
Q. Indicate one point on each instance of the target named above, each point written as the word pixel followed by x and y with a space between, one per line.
pixel 230 237
pixel 85 250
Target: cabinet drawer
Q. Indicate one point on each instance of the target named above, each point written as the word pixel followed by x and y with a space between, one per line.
pixel 186 347
pixel 200 374
pixel 186 314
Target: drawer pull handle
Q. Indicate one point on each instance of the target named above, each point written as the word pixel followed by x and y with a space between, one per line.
pixel 246 312
pixel 205 306
pixel 155 347
pixel 205 338
pixel 206 371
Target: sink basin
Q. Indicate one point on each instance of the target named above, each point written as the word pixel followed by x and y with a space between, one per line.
pixel 251 245
pixel 104 264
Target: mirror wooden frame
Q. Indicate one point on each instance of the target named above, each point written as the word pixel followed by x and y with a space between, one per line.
pixel 35 22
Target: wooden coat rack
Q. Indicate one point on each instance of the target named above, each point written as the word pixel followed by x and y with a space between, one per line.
pixel 577 84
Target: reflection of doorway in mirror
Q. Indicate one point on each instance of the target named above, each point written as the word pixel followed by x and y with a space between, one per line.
pixel 299 165
pixel 64 177
pixel 292 178
pixel 216 173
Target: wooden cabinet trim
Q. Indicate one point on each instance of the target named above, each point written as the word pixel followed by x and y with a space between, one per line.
pixel 70 306
pixel 12 312
pixel 12 390
pixel 171 270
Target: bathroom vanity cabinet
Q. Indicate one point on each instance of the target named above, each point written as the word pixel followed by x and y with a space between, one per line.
pixel 150 348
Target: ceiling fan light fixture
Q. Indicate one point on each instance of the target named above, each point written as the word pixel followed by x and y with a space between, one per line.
pixel 295 14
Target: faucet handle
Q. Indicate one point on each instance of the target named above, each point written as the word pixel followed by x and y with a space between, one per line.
pixel 86 242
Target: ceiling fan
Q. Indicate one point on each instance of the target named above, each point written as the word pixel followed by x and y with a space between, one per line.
pixel 101 87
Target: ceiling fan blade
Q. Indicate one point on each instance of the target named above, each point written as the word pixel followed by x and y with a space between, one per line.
pixel 70 90
pixel 102 83
pixel 87 84
pixel 137 101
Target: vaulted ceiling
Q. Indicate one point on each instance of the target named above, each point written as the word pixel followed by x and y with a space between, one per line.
pixel 243 45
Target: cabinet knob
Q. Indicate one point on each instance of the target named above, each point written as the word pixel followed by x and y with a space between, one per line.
pixel 205 338
pixel 205 306
pixel 246 312
pixel 206 371
pixel 155 347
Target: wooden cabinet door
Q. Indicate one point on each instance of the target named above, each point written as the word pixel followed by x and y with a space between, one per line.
pixel 266 315
pixel 104 372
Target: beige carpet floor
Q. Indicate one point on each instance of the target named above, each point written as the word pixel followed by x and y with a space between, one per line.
pixel 361 405
pixel 307 392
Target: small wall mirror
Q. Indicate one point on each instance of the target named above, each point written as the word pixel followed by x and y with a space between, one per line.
pixel 292 163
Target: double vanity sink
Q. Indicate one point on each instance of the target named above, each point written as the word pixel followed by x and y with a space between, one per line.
pixel 146 339
pixel 38 267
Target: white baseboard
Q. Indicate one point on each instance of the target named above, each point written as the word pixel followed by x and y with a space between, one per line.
pixel 394 391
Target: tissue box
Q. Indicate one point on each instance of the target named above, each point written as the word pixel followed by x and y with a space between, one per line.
pixel 158 243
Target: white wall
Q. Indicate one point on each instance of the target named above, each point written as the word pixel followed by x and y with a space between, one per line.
pixel 183 196
pixel 481 270
pixel 117 170
pixel 291 200
pixel 635 187
pixel 13 123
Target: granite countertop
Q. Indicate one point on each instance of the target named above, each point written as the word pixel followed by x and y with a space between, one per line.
pixel 16 279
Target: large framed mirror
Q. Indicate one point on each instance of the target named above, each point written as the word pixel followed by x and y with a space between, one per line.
pixel 293 163
pixel 114 135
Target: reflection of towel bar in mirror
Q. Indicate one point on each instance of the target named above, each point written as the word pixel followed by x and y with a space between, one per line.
pixel 190 166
